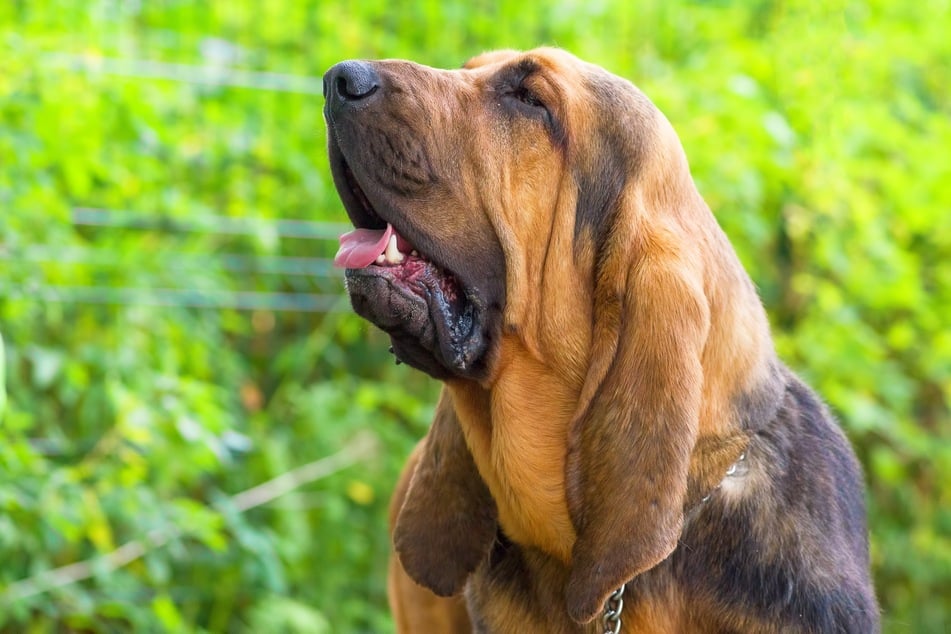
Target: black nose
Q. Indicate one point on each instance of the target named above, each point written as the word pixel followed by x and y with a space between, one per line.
pixel 349 83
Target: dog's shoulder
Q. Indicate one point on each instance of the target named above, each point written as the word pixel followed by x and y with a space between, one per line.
pixel 783 546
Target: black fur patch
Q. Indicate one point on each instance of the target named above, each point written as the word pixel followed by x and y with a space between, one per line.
pixel 608 161
pixel 792 556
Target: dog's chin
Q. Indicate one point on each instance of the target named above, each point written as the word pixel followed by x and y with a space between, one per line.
pixel 434 326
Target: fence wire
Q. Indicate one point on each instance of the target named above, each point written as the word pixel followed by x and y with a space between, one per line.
pixel 179 264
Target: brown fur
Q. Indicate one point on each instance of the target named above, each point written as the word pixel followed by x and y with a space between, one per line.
pixel 415 608
pixel 631 367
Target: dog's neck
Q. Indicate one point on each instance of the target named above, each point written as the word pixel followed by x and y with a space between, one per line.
pixel 517 433
pixel 516 425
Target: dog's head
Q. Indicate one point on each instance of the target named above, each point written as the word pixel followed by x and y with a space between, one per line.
pixel 531 214
pixel 471 174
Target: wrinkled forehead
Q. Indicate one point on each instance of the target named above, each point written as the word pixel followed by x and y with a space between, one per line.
pixel 573 83
pixel 552 59
pixel 554 63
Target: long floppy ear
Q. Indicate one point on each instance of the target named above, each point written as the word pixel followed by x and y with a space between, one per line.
pixel 630 443
pixel 448 520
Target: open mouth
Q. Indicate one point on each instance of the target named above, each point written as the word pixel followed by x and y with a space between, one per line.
pixel 385 248
pixel 433 322
pixel 384 252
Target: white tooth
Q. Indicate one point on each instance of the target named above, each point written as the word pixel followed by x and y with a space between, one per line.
pixel 380 259
pixel 393 255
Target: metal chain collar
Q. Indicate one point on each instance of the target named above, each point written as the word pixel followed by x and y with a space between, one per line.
pixel 612 611
pixel 737 470
pixel 615 603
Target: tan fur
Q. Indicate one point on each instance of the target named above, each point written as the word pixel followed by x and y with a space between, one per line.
pixel 632 352
pixel 415 608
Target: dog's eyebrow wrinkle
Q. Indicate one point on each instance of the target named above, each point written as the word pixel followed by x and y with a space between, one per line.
pixel 526 67
pixel 518 71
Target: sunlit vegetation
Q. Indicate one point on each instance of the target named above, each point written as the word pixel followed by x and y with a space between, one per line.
pixel 186 346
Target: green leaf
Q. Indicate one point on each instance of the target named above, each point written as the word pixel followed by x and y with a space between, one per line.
pixel 167 614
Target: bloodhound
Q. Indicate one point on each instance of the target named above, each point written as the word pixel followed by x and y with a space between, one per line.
pixel 617 446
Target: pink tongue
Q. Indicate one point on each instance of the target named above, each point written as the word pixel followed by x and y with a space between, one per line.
pixel 361 247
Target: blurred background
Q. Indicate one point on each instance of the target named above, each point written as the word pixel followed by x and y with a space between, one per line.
pixel 196 434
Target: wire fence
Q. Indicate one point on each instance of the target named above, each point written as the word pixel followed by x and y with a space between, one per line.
pixel 178 264
pixel 284 228
pixel 249 281
pixel 202 74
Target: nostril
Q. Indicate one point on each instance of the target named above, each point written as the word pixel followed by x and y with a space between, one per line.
pixel 351 81
pixel 353 89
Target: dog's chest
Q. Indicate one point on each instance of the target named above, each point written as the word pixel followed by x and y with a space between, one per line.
pixel 517 438
pixel 520 590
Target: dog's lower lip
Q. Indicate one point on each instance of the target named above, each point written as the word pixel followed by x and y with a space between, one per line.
pixel 410 268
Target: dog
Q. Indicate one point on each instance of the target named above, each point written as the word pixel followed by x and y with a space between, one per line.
pixel 617 446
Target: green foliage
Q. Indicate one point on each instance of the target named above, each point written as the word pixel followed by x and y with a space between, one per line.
pixel 3 380
pixel 819 136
